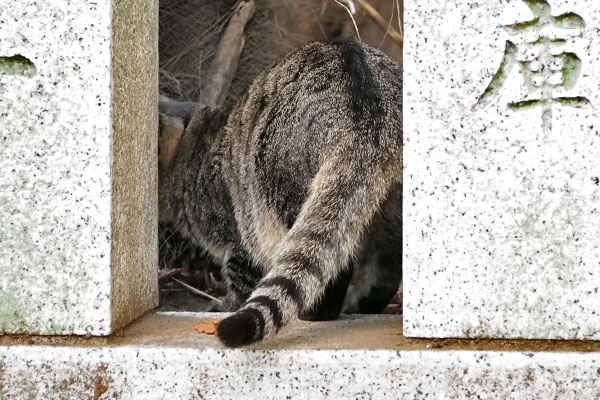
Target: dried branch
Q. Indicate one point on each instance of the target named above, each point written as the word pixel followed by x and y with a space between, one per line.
pixel 349 8
pixel 383 24
pixel 399 16
pixel 197 291
pixel 224 65
pixel 169 273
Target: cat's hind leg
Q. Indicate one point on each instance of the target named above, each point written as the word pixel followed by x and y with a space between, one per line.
pixel 241 278
pixel 374 284
pixel 329 307
pixel 378 275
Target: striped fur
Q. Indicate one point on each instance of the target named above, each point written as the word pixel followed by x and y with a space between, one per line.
pixel 300 188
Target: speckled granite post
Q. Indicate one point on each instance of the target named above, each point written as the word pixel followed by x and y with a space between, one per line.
pixel 78 90
pixel 502 169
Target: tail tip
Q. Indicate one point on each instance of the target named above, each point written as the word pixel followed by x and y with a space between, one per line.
pixel 241 329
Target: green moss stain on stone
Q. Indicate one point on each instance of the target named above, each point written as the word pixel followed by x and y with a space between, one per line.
pixel 569 21
pixel 525 104
pixel 578 102
pixel 538 7
pixel 523 26
pixel 500 76
pixel 17 65
pixel 571 70
pixel 11 311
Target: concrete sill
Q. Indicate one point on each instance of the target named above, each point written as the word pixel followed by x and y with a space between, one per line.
pixel 362 357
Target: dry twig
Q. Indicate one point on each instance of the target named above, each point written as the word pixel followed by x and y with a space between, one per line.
pixel 351 17
pixel 197 291
pixel 225 63
pixel 389 25
pixel 399 16
pixel 383 24
pixel 169 273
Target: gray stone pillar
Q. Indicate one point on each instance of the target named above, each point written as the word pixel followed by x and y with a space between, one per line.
pixel 502 170
pixel 78 201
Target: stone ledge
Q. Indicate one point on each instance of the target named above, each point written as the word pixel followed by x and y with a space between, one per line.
pixel 363 357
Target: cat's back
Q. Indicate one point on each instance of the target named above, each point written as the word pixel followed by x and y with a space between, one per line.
pixel 324 94
pixel 341 85
pixel 323 98
pixel 339 99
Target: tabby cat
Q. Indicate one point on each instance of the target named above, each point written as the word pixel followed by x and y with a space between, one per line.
pixel 297 192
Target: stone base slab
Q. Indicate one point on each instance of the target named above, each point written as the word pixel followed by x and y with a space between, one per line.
pixel 362 357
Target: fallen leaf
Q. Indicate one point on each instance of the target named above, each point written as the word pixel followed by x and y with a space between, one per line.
pixel 206 326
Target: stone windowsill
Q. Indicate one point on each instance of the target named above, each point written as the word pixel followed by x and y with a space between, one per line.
pixel 161 356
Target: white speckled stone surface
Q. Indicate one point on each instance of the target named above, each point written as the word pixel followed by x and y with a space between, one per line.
pixel 315 361
pixel 71 138
pixel 502 190
pixel 181 373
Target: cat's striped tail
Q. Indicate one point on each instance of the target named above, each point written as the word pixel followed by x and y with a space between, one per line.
pixel 341 203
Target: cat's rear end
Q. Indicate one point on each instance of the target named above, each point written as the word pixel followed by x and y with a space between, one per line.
pixel 312 159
